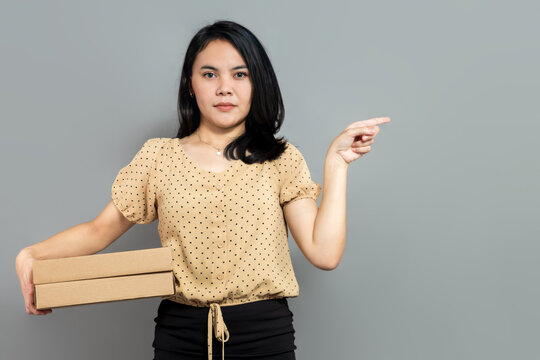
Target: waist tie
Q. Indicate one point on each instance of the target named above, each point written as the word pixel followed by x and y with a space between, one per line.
pixel 215 318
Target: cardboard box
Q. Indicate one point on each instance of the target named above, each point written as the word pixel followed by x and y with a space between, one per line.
pixel 103 277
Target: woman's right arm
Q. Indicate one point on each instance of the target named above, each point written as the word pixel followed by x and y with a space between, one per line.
pixel 82 239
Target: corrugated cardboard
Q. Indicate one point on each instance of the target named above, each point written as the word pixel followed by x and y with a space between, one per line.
pixel 116 288
pixel 102 265
pixel 103 277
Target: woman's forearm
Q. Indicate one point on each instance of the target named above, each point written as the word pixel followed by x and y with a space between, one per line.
pixel 81 239
pixel 329 233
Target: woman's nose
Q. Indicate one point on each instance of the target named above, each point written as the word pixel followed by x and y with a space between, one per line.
pixel 224 87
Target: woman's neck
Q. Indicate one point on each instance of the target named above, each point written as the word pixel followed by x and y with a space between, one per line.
pixel 219 138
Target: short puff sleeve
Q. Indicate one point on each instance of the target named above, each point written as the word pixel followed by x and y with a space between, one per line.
pixel 134 189
pixel 297 182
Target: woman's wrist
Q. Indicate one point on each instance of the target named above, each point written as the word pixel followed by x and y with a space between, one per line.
pixel 25 255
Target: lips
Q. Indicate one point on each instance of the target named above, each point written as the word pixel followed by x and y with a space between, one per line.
pixel 225 106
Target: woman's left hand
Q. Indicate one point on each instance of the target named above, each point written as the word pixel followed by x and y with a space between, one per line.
pixel 356 140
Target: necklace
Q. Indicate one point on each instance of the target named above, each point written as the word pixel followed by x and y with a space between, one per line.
pixel 218 153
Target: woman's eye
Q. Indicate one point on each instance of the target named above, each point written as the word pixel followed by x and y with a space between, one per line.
pixel 243 74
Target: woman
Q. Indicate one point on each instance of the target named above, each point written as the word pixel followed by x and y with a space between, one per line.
pixel 225 189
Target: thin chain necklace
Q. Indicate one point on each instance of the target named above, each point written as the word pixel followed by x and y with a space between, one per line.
pixel 219 150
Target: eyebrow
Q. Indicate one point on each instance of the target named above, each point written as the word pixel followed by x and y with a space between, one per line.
pixel 215 69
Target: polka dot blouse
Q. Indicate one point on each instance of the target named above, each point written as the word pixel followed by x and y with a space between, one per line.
pixel 226 229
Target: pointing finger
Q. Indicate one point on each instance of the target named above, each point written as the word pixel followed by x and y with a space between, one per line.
pixel 370 122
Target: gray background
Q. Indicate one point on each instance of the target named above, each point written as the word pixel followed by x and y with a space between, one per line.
pixel 442 215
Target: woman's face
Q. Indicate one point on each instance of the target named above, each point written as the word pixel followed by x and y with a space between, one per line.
pixel 220 74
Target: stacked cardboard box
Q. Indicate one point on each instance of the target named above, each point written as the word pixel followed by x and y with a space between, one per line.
pixel 103 277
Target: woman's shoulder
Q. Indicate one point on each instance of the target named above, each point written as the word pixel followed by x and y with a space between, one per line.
pixel 157 145
pixel 156 149
pixel 157 142
pixel 291 158
pixel 291 154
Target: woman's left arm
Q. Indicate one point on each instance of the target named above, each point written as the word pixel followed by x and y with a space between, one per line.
pixel 321 232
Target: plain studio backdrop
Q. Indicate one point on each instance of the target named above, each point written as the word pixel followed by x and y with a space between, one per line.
pixel 442 256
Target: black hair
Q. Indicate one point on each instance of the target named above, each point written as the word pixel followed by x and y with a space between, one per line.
pixel 266 113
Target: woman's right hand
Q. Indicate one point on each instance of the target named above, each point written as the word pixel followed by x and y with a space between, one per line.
pixel 24 265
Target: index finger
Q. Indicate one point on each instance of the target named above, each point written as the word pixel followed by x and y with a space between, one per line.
pixel 371 122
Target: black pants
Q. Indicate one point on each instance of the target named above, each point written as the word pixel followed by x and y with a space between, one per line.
pixel 257 330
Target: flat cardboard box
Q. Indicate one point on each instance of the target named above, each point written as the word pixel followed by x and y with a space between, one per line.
pixel 102 265
pixel 116 288
pixel 103 277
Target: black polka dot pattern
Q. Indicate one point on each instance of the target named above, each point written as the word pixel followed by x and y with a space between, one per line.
pixel 226 229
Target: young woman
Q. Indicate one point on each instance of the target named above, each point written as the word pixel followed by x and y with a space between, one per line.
pixel 225 189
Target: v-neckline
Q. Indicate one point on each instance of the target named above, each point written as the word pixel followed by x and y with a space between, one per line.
pixel 196 166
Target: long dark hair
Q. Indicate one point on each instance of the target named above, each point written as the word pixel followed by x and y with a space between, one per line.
pixel 267 111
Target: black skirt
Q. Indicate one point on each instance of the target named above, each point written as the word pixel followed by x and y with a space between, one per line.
pixel 257 330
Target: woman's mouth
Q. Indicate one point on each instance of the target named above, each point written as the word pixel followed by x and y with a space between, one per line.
pixel 225 107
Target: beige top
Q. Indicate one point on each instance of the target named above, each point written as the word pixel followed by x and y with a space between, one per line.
pixel 226 229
